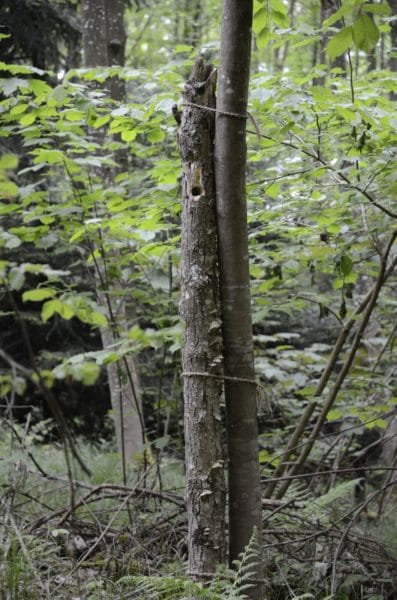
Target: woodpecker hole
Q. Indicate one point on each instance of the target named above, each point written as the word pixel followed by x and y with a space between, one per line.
pixel 197 190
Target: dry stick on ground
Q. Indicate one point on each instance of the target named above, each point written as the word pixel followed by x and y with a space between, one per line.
pixel 123 490
pixel 103 533
pixel 367 303
pixel 347 365
pixel 355 513
pixel 329 529
pixel 136 492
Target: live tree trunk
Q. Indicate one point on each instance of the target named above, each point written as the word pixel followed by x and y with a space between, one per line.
pixel 240 387
pixel 103 44
pixel 192 22
pixel 202 352
pixel 393 38
pixel 328 7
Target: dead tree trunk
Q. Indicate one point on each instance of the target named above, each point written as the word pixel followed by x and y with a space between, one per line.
pixel 202 352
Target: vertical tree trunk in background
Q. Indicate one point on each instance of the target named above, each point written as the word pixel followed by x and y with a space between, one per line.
pixel 328 7
pixel 393 42
pixel 389 449
pixel 192 23
pixel 230 167
pixel 116 38
pixel 282 56
pixel 94 33
pixel 202 352
pixel 103 45
pixel 393 37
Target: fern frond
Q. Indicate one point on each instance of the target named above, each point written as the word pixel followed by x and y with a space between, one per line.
pixel 171 588
pixel 248 564
pixel 333 500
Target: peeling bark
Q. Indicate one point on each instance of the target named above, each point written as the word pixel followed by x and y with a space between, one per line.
pixel 202 352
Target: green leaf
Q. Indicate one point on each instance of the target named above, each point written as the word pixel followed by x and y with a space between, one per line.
pixel 27 120
pixel 56 306
pixel 11 240
pixel 18 109
pixel 365 33
pixel 263 38
pixel 260 20
pixel 16 278
pixel 9 189
pixel 334 414
pixel 89 373
pixel 156 135
pixel 39 87
pixel 38 295
pixel 49 309
pixel 101 121
pixel 59 94
pixel 345 264
pixel 281 19
pixel 8 161
pixel 98 318
pixel 279 6
pixel 73 115
pixel 10 85
pixel 51 157
pixel 378 9
pixel 129 135
pixel 340 42
pixel 336 16
pixel 305 42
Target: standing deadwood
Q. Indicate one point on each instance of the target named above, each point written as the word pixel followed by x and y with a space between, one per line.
pixel 202 351
pixel 103 44
pixel 240 387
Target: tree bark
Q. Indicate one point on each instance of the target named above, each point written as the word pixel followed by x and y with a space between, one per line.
pixel 103 45
pixel 116 38
pixel 328 7
pixel 192 23
pixel 230 167
pixel 393 39
pixel 202 352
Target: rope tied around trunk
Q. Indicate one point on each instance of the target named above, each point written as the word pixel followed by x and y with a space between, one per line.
pixel 227 113
pixel 261 397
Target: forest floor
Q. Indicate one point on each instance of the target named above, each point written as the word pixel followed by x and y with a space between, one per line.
pixel 64 534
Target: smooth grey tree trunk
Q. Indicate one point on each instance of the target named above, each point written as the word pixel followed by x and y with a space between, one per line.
pixel 103 44
pixel 202 351
pixel 230 166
